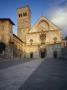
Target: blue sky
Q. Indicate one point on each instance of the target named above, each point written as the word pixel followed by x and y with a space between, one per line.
pixel 55 10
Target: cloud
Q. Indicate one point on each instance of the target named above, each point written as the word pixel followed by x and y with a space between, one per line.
pixel 63 3
pixel 58 15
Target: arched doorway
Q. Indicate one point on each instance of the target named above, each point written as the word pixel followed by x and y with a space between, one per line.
pixel 31 55
pixel 43 53
pixel 2 47
pixel 55 54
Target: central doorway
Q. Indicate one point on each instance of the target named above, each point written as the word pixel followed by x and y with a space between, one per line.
pixel 31 55
pixel 43 53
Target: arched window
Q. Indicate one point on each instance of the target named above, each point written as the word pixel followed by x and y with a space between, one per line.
pixel 20 15
pixel 24 14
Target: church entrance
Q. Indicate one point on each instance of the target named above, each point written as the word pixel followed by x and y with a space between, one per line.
pixel 31 55
pixel 43 53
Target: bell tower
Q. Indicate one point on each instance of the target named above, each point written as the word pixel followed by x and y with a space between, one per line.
pixel 23 22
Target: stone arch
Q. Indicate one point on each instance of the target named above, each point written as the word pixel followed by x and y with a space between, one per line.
pixel 2 47
pixel 43 53
pixel 43 21
pixel 43 25
pixel 31 54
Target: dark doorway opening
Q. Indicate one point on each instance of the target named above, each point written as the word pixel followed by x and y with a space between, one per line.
pixel 43 53
pixel 2 47
pixel 55 54
pixel 31 55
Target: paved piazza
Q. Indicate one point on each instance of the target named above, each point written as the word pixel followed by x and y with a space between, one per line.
pixel 50 75
pixel 14 76
pixel 38 74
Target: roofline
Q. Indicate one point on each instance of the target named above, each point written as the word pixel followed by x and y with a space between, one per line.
pixel 48 20
pixel 18 38
pixel 8 20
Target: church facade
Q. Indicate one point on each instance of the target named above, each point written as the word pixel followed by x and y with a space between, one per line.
pixel 40 41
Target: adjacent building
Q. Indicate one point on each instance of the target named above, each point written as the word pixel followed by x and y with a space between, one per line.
pixel 6 36
pixel 64 42
pixel 64 47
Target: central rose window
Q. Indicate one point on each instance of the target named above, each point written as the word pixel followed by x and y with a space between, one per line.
pixel 43 36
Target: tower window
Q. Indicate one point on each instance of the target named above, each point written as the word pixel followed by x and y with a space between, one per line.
pixel 20 15
pixel 25 14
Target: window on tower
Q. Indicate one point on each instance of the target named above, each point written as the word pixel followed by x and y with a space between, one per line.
pixel 24 14
pixel 20 15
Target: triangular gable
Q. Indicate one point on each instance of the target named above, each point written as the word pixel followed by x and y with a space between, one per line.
pixel 49 23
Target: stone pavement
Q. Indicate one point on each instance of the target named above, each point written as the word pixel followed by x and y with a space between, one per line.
pixel 50 75
pixel 13 77
pixel 6 63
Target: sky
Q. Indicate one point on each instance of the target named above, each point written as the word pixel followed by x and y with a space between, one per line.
pixel 54 10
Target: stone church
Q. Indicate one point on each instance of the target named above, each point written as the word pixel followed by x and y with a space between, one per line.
pixel 39 41
pixel 42 39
